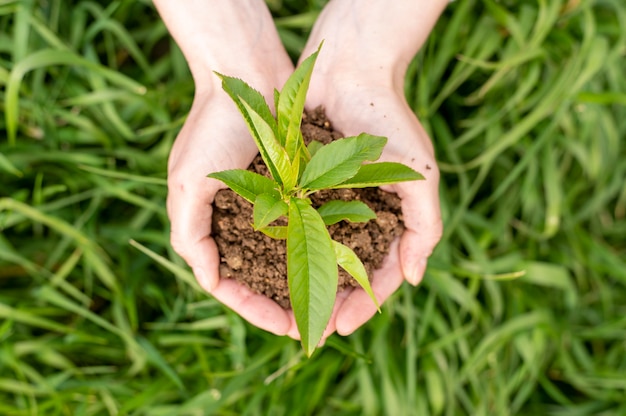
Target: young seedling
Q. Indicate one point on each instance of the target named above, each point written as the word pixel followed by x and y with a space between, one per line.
pixel 296 172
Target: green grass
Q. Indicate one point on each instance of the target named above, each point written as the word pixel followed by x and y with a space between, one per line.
pixel 523 307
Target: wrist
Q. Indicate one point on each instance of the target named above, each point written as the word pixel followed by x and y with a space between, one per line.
pixel 374 43
pixel 359 67
pixel 259 74
pixel 228 38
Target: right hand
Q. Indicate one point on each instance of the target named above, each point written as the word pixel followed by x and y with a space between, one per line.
pixel 214 138
pixel 240 42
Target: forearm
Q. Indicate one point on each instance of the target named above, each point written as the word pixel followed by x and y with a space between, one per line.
pixel 382 35
pixel 237 38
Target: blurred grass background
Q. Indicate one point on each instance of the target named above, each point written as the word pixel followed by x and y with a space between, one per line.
pixel 522 310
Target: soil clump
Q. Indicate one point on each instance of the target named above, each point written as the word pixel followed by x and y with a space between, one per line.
pixel 258 261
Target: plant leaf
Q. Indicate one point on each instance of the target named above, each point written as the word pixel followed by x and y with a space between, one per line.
pixel 311 271
pixel 273 154
pixel 303 157
pixel 248 185
pixel 314 146
pixel 277 232
pixel 350 262
pixel 276 97
pixel 267 208
pixel 260 122
pixel 381 173
pixel 239 91
pixel 354 211
pixel 291 105
pixel 297 166
pixel 340 160
pixel 7 166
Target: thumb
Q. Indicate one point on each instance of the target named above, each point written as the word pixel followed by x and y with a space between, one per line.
pixel 422 219
pixel 190 212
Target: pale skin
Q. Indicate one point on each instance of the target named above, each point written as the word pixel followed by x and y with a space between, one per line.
pixel 358 78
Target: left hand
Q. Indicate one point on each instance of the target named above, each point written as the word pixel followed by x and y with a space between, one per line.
pixel 360 101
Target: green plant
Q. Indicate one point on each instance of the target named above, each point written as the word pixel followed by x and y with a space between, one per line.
pixel 297 171
pixel 541 102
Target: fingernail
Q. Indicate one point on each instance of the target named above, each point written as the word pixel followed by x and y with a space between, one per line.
pixel 418 273
pixel 201 277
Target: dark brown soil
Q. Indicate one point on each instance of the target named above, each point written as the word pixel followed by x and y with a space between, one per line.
pixel 259 262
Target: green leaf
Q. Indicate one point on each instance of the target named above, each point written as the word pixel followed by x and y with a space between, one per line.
pixel 261 124
pixel 354 211
pixel 311 271
pixel 277 232
pixel 340 160
pixel 155 357
pixel 314 146
pixel 7 166
pixel 268 208
pixel 271 151
pixel 46 58
pixel 303 158
pixel 241 92
pixel 276 97
pixel 248 185
pixel 291 105
pixel 350 262
pixel 381 173
pixel 298 165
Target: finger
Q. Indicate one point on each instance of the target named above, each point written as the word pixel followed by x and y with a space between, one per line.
pixel 206 264
pixel 255 308
pixel 191 193
pixel 332 323
pixel 422 220
pixel 358 307
pixel 293 331
pixel 189 209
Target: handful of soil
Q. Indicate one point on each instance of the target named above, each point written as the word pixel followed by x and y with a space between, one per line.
pixel 260 262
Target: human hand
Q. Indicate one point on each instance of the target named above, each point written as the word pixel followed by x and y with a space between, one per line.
pixel 359 80
pixel 355 107
pixel 214 138
pixel 236 41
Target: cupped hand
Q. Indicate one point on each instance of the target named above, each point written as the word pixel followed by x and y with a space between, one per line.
pixel 359 80
pixel 357 102
pixel 214 138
